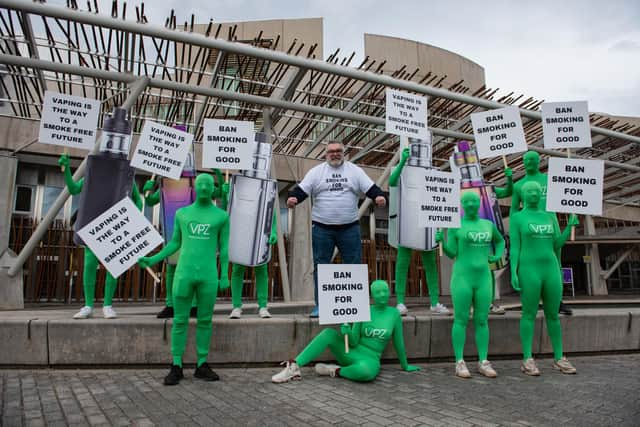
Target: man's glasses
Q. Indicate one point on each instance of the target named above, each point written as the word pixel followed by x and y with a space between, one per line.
pixel 338 151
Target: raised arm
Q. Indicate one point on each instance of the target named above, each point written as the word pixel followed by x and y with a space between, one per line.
pixel 398 344
pixel 498 242
pixel 397 171
pixel 135 196
pixel 504 192
pixel 514 249
pixel 74 187
pixel 561 238
pixel 515 201
pixel 151 198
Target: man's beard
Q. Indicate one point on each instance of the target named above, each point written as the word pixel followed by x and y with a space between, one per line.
pixel 336 163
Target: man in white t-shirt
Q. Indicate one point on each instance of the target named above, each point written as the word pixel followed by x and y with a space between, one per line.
pixel 335 187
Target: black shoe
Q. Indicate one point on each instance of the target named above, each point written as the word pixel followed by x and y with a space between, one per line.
pixel 193 313
pixel 204 372
pixel 166 313
pixel 564 309
pixel 175 375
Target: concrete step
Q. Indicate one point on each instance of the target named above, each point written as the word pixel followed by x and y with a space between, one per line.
pixel 52 338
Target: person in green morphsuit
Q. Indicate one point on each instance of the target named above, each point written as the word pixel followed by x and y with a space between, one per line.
pixel 201 229
pixel 404 257
pixel 152 199
pixel 262 281
pixel 367 341
pixel 531 161
pixel 501 193
pixel 535 241
pixel 471 247
pixel 90 260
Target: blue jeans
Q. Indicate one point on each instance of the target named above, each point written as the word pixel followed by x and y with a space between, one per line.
pixel 324 240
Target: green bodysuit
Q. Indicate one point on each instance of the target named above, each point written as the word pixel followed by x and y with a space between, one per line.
pixel 152 199
pixel 367 340
pixel 200 230
pixel 90 260
pixel 471 247
pixel 262 276
pixel 535 242
pixel 404 254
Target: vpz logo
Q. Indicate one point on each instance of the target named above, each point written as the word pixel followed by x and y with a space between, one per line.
pixel 479 237
pixel 375 333
pixel 199 231
pixel 541 228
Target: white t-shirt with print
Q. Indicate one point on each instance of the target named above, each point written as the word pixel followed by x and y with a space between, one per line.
pixel 335 192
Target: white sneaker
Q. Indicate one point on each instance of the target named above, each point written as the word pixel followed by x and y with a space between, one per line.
pixel 326 369
pixel 236 313
pixel 264 313
pixel 84 313
pixel 564 366
pixel 496 309
pixel 486 369
pixel 290 372
pixel 108 312
pixel 402 309
pixel 529 367
pixel 439 309
pixel 461 370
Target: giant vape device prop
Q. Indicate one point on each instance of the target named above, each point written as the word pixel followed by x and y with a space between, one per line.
pixel 177 193
pixel 405 200
pixel 251 203
pixel 466 160
pixel 108 177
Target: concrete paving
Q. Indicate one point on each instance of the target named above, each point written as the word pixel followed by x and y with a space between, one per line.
pixel 603 393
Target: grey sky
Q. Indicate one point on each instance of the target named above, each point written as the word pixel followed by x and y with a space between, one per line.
pixel 552 50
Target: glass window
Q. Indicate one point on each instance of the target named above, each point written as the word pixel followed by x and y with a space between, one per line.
pixel 25 195
pixel 50 195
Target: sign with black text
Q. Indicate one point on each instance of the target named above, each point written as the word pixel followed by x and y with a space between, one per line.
pixel 575 186
pixel 69 121
pixel 498 132
pixel 343 293
pixel 441 206
pixel 566 124
pixel 162 150
pixel 406 114
pixel 228 144
pixel 120 236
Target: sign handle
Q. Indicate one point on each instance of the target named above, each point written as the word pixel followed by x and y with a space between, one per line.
pixel 226 175
pixel 440 250
pixel 346 343
pixel 504 161
pixel 573 229
pixel 153 178
pixel 153 275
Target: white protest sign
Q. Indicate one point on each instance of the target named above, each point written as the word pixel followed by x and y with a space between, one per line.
pixel 343 293
pixel 406 114
pixel 575 186
pixel 162 150
pixel 70 121
pixel 441 206
pixel 120 236
pixel 498 132
pixel 566 124
pixel 228 144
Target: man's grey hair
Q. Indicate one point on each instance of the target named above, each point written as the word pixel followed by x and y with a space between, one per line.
pixel 334 142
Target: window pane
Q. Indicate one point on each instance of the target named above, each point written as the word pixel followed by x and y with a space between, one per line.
pixel 24 199
pixel 50 196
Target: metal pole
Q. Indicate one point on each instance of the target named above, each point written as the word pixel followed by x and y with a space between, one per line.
pixel 259 100
pixel 270 55
pixel 136 89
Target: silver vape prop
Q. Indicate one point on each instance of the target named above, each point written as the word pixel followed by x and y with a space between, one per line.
pixel 251 203
pixel 405 200
pixel 108 177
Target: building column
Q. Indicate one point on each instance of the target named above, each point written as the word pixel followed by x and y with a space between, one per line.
pixel 301 256
pixel 11 288
pixel 598 283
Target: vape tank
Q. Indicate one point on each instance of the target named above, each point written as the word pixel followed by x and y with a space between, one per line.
pixel 405 201
pixel 108 177
pixel 466 160
pixel 252 199
pixel 177 193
